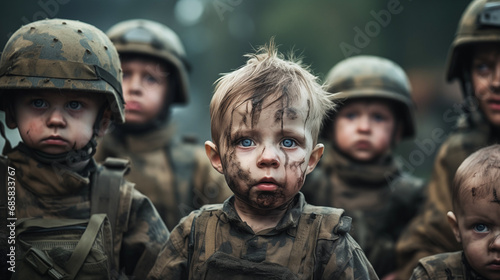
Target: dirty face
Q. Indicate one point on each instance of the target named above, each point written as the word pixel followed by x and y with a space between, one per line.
pixel 268 152
pixel 364 129
pixel 55 122
pixel 477 227
pixel 486 80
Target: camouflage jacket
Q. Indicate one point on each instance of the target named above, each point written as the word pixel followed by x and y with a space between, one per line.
pixel 328 252
pixel 429 232
pixel 178 178
pixel 445 266
pixel 49 192
pixel 378 196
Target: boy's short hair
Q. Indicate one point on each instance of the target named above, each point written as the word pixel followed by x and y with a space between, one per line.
pixel 477 176
pixel 266 73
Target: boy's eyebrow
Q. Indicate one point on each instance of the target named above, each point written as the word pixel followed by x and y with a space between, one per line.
pixel 495 197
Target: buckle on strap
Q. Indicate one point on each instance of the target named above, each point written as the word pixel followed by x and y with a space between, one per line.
pixel 42 264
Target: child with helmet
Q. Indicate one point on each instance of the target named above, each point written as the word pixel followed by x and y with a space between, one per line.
pixel 474 60
pixel 358 171
pixel 60 86
pixel 174 173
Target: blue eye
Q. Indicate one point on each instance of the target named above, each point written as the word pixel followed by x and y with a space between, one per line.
pixel 39 103
pixel 246 142
pixel 351 116
pixel 289 143
pixel 378 117
pixel 74 105
pixel 481 228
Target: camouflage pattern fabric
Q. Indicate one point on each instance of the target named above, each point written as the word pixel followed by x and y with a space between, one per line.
pixel 429 233
pixel 154 158
pixel 332 253
pixel 49 192
pixel 378 196
pixel 444 266
pixel 63 54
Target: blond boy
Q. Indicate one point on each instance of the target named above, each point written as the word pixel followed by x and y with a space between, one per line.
pixel 265 118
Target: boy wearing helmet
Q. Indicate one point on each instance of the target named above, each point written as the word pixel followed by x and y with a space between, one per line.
pixel 177 177
pixel 358 171
pixel 474 59
pixel 60 86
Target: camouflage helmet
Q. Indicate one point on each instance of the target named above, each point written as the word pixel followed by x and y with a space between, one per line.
pixel 371 76
pixel 480 23
pixel 62 54
pixel 146 37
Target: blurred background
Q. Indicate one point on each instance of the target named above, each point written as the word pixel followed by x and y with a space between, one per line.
pixel 416 34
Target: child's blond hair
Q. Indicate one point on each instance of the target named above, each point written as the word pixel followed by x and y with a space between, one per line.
pixel 265 74
pixel 478 177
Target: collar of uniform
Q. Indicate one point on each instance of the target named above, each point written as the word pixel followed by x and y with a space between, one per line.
pixel 46 180
pixel 289 220
pixel 150 141
pixel 469 272
pixel 359 173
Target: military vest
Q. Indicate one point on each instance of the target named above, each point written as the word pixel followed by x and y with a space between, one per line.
pixel 219 265
pixel 73 248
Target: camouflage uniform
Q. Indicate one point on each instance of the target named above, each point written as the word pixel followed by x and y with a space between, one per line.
pixel 429 233
pixel 177 177
pixel 379 197
pixel 43 192
pixel 445 266
pixel 174 193
pixel 325 249
pixel 59 56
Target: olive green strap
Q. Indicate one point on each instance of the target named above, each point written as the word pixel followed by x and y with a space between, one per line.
pixel 210 235
pixel 307 232
pixel 83 247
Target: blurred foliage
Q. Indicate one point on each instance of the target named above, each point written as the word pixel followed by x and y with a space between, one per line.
pixel 217 33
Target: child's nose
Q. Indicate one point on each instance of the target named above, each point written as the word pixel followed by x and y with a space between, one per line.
pixel 56 119
pixel 364 124
pixel 495 83
pixel 268 158
pixel 134 85
pixel 495 243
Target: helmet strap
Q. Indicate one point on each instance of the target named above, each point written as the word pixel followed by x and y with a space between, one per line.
pixel 470 101
pixel 7 146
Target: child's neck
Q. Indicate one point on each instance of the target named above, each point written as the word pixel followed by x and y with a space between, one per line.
pixel 259 220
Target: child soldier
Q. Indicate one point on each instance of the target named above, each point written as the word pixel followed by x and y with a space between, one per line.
pixel 60 85
pixel 474 60
pixel 176 176
pixel 475 222
pixel 265 119
pixel 358 172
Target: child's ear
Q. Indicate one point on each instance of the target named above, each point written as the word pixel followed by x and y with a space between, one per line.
pixel 105 122
pixel 316 154
pixel 213 155
pixel 452 220
pixel 10 119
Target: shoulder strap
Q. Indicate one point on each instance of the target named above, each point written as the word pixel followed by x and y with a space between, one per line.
pixel 307 228
pixel 182 158
pixel 205 223
pixel 105 192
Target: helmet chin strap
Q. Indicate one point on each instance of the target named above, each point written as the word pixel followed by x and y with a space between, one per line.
pixel 67 158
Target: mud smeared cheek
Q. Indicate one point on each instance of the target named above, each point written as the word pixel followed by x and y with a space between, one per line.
pixel 295 167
